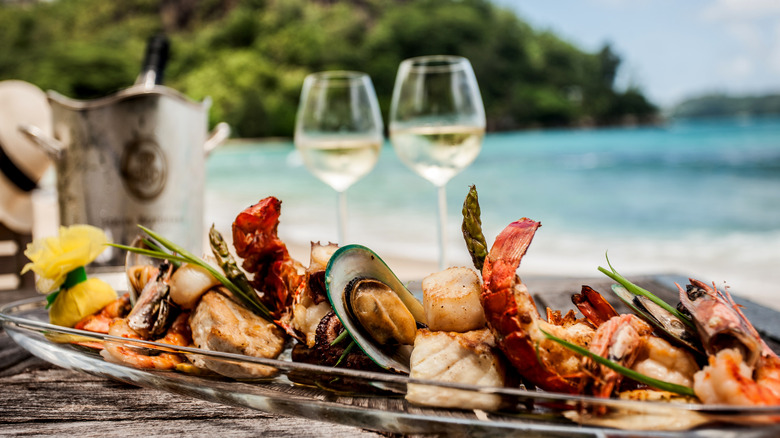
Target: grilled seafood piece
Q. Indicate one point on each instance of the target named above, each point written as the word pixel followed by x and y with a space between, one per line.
pixel 665 324
pixel 512 316
pixel 188 283
pixel 143 357
pixel 659 359
pixel 451 300
pixel 742 369
pixel 618 340
pixel 469 358
pixel 592 304
pixel 138 276
pixel 140 269
pixel 328 352
pixel 220 324
pixel 265 256
pixel 629 341
pixel 100 322
pixel 310 303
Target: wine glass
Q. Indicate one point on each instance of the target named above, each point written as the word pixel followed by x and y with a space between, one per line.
pixel 338 131
pixel 437 122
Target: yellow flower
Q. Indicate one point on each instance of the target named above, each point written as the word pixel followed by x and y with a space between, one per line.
pixel 79 301
pixel 52 258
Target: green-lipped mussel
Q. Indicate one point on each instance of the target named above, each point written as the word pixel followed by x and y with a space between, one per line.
pixel 660 318
pixel 374 306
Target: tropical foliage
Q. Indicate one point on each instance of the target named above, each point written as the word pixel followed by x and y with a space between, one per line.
pixel 250 56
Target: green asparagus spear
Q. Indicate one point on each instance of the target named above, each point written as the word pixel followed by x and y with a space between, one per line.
pixel 472 229
pixel 226 261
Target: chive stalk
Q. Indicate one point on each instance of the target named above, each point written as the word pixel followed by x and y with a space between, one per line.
pixel 184 256
pixel 641 378
pixel 345 353
pixel 636 290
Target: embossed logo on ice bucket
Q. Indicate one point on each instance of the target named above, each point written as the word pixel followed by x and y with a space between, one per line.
pixel 144 169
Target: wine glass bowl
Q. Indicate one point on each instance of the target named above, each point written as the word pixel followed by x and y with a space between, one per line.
pixel 338 131
pixel 437 122
pixel 438 153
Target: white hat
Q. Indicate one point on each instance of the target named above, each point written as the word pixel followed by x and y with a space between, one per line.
pixel 22 162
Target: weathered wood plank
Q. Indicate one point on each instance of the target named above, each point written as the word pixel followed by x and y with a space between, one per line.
pixel 42 399
pixel 46 400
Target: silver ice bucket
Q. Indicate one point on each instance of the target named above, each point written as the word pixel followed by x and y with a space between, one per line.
pixel 134 157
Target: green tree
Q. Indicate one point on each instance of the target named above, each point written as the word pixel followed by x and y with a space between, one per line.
pixel 250 56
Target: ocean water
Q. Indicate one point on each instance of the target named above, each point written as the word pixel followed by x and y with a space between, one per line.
pixel 694 198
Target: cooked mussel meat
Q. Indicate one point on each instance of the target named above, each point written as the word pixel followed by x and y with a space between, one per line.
pixel 380 311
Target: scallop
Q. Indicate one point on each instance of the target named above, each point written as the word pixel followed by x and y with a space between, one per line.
pixel 189 283
pixel 374 306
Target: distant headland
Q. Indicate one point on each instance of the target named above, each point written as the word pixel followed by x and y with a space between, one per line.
pixel 726 105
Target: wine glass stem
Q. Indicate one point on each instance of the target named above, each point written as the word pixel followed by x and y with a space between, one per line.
pixel 342 218
pixel 442 227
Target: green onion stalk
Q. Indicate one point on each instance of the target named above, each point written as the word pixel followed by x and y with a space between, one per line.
pixel 636 290
pixel 641 378
pixel 180 255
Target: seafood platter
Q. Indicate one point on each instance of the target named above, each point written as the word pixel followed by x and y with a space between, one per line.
pixel 341 339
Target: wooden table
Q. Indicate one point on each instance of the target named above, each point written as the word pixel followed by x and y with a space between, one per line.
pixel 41 399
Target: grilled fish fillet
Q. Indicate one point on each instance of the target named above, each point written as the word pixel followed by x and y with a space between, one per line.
pixel 467 358
pixel 220 324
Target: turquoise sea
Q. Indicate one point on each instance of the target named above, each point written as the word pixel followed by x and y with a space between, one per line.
pixel 697 198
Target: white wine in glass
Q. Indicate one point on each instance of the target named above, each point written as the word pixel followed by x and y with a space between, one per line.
pixel 437 122
pixel 338 131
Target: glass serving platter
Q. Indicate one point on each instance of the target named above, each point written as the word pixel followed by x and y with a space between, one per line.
pixel 376 401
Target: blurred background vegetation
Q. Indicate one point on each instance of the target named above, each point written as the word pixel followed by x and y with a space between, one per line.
pixel 250 56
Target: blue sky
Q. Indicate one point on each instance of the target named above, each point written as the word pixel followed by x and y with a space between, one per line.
pixel 672 49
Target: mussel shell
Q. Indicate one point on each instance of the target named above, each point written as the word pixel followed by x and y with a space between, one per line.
pixel 151 314
pixel 134 265
pixel 356 261
pixel 660 318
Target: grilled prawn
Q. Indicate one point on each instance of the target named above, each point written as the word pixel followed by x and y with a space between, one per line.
pixel 512 316
pixel 742 369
